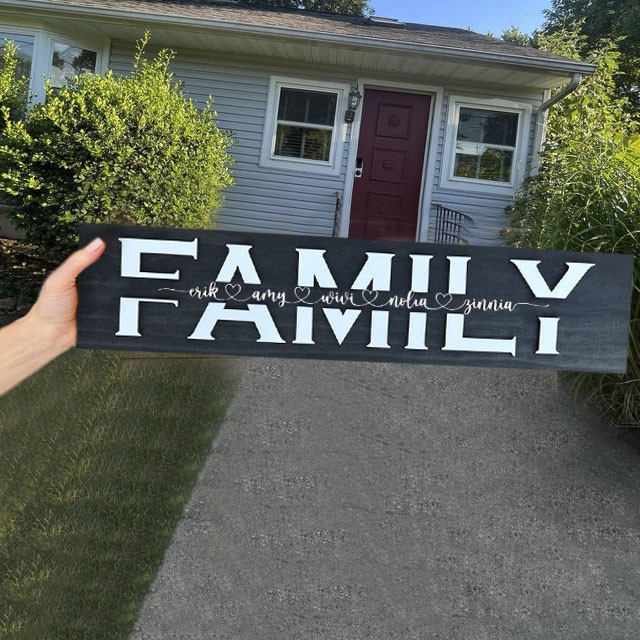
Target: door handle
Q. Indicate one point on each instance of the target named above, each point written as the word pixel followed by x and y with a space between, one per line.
pixel 359 168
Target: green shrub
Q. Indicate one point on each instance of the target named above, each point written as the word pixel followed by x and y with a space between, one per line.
pixel 114 149
pixel 587 198
pixel 13 87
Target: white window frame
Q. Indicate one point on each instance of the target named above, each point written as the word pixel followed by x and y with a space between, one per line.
pixel 450 181
pixel 36 34
pixel 268 158
pixel 44 40
pixel 74 42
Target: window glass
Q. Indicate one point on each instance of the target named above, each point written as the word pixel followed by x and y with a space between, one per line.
pixel 312 107
pixel 25 50
pixel 485 144
pixel 298 142
pixel 484 164
pixel 68 61
pixel 305 124
pixel 491 127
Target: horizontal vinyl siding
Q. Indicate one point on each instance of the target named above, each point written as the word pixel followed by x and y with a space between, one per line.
pixel 285 201
pixel 262 199
pixel 486 209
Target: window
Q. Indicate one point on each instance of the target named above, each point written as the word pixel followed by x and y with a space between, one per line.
pixel 305 124
pixel 47 55
pixel 485 145
pixel 68 61
pixel 303 129
pixel 25 46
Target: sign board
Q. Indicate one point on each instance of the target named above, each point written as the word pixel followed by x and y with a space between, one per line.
pixel 219 292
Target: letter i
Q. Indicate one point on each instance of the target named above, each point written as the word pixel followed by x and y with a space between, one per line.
pixel 458 274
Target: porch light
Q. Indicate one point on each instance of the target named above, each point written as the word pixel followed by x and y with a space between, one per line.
pixel 352 104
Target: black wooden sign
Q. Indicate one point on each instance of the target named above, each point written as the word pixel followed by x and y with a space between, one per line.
pixel 221 292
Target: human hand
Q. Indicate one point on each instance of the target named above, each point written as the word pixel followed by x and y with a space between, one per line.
pixel 50 327
pixel 57 303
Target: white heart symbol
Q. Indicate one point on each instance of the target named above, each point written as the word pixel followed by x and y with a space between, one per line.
pixel 232 290
pixel 302 293
pixel 443 299
pixel 369 296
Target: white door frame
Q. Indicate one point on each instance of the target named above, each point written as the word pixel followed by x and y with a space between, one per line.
pixel 430 155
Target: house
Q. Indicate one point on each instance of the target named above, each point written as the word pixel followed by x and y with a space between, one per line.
pixel 344 126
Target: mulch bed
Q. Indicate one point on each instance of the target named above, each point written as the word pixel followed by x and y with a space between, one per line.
pixel 23 269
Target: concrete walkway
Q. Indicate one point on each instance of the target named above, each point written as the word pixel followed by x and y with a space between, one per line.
pixel 344 501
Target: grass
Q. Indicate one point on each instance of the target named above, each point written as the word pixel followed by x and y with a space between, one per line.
pixel 617 397
pixel 591 202
pixel 98 453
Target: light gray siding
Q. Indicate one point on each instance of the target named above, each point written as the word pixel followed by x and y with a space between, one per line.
pixel 486 209
pixel 262 199
pixel 285 201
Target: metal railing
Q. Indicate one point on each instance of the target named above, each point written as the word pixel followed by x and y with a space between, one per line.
pixel 337 218
pixel 450 226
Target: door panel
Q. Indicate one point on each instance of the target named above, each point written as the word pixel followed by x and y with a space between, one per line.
pixel 393 136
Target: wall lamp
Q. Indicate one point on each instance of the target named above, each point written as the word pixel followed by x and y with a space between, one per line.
pixel 353 103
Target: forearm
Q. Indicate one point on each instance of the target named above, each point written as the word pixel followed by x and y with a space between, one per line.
pixel 26 346
pixel 49 328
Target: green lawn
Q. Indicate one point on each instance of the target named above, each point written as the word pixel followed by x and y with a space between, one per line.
pixel 98 453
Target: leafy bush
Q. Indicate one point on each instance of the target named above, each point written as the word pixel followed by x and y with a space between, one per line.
pixel 587 198
pixel 13 88
pixel 114 149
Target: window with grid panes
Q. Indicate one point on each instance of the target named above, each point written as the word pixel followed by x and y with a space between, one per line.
pixel 485 144
pixel 305 124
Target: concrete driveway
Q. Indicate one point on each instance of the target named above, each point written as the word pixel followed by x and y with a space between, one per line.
pixel 344 501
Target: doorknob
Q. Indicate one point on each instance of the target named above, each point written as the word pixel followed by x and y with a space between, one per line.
pixel 359 167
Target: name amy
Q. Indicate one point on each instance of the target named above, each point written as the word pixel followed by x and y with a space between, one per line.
pixel 369 284
pixel 366 298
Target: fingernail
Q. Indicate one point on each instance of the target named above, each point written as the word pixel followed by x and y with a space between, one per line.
pixel 94 245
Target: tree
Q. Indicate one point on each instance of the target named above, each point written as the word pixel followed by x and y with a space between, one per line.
pixel 587 197
pixel 114 149
pixel 599 20
pixel 516 36
pixel 347 7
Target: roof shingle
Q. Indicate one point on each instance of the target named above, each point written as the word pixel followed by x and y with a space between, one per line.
pixel 299 22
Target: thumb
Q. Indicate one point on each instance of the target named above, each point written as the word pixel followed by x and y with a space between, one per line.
pixel 64 277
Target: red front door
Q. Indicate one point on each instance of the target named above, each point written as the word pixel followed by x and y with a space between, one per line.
pixel 393 137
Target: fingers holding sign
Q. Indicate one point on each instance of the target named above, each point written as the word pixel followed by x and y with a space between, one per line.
pixel 50 327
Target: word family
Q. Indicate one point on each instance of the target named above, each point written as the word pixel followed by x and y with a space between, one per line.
pixel 220 292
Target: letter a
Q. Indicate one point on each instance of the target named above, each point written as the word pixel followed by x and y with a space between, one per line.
pixel 239 259
pixel 256 313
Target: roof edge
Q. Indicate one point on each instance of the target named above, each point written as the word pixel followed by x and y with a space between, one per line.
pixel 569 66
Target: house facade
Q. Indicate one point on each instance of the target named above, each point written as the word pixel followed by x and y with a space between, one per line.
pixel 344 126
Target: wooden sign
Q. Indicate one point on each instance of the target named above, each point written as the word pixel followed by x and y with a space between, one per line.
pixel 250 294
